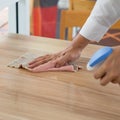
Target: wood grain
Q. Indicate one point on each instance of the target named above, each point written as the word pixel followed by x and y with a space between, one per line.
pixel 52 95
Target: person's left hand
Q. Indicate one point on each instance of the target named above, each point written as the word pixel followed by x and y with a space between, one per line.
pixel 59 59
pixel 109 71
pixel 64 57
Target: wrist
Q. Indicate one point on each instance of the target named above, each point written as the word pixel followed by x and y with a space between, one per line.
pixel 80 42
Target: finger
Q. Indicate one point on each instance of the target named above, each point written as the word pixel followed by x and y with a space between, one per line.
pixel 44 67
pixel 119 80
pixel 61 61
pixel 105 80
pixel 39 59
pixel 108 78
pixel 116 80
pixel 37 63
pixel 100 73
pixel 36 60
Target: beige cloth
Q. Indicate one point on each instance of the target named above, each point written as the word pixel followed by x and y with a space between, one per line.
pixel 22 62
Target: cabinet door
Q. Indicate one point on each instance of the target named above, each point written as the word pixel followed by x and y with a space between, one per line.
pixel 18 16
pixel 5 3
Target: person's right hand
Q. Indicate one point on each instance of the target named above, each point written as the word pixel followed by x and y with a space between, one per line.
pixel 109 71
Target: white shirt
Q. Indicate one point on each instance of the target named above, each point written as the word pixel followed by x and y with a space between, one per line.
pixel 104 14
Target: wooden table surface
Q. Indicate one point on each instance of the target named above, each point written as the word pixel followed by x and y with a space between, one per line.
pixel 51 95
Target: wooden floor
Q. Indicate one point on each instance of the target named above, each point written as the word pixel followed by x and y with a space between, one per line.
pixel 4 21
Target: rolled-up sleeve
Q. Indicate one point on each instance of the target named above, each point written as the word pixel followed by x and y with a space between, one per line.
pixel 104 14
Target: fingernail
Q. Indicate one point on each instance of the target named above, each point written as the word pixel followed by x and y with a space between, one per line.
pixel 30 66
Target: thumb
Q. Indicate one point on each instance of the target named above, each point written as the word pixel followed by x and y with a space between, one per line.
pixel 61 62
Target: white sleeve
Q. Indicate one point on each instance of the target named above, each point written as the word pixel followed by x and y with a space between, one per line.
pixel 104 14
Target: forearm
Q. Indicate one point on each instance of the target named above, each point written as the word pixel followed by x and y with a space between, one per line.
pixel 104 14
pixel 98 23
pixel 80 42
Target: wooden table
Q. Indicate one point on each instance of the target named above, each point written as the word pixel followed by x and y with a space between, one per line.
pixel 51 95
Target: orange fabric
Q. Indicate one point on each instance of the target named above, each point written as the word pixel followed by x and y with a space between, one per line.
pixel 44 18
pixel 49 21
pixel 37 21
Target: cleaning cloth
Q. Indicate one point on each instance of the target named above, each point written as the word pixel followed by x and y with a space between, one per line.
pixel 22 62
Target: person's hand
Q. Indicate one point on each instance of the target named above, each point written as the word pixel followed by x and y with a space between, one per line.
pixel 70 54
pixel 59 59
pixel 109 71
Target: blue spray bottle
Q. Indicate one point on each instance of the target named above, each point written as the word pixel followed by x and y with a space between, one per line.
pixel 99 57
